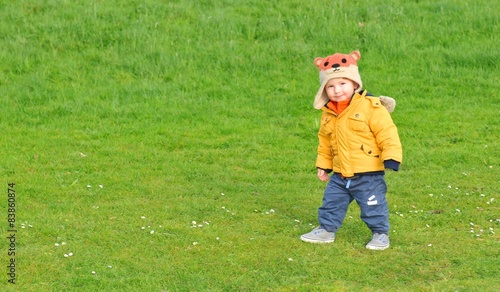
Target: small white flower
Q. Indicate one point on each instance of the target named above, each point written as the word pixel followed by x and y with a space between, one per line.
pixel 143 227
pixel 89 186
pixel 57 244
pixel 66 255
pixel 297 220
pixel 110 266
pixel 101 186
pixel 430 195
pixel 193 222
pixel 195 243
pixel 427 225
pixel 216 238
pixel 430 244
pixel 458 211
pixel 93 273
pixel 143 217
pixel 63 243
pixel 222 194
pixel 290 259
pixel 272 211
pixel 70 254
pixel 152 232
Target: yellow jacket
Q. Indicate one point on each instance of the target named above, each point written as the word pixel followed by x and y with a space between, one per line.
pixel 358 140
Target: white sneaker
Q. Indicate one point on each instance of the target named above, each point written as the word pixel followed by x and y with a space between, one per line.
pixel 318 235
pixel 379 242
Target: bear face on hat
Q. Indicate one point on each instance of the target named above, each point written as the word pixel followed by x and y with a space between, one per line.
pixel 337 60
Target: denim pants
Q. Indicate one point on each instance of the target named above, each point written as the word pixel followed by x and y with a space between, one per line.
pixel 369 192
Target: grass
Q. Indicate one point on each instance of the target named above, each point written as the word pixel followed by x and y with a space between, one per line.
pixel 201 111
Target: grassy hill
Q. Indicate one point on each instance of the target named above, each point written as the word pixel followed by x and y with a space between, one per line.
pixel 170 145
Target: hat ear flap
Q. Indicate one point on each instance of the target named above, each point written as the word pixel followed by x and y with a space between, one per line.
pixel 318 62
pixel 356 55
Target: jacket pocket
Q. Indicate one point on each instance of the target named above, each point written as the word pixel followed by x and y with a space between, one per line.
pixel 370 151
pixel 326 126
pixel 357 122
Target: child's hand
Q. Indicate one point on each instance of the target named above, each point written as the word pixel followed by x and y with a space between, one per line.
pixel 322 175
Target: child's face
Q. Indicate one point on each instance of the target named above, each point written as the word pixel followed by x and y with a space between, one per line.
pixel 339 89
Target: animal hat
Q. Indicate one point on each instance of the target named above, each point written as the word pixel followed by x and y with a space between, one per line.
pixel 336 66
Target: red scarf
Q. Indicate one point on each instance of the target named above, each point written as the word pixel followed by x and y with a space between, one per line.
pixel 338 107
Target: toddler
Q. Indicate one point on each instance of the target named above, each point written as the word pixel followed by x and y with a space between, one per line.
pixel 357 141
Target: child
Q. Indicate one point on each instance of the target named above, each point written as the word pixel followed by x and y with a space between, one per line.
pixel 357 141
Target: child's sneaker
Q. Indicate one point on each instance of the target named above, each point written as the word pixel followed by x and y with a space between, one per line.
pixel 318 235
pixel 379 242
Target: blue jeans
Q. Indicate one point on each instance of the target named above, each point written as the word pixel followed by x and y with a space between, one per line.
pixel 369 192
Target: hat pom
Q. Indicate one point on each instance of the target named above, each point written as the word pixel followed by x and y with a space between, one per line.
pixel 388 102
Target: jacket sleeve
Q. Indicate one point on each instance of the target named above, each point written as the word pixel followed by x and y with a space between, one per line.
pixel 324 159
pixel 386 135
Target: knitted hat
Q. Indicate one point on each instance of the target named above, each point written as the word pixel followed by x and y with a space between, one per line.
pixel 336 66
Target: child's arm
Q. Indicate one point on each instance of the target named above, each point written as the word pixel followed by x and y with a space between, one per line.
pixel 324 160
pixel 386 134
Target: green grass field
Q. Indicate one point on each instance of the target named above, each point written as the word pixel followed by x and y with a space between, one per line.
pixel 170 145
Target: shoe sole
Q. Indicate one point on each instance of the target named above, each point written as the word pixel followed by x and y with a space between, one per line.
pixel 316 241
pixel 378 247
